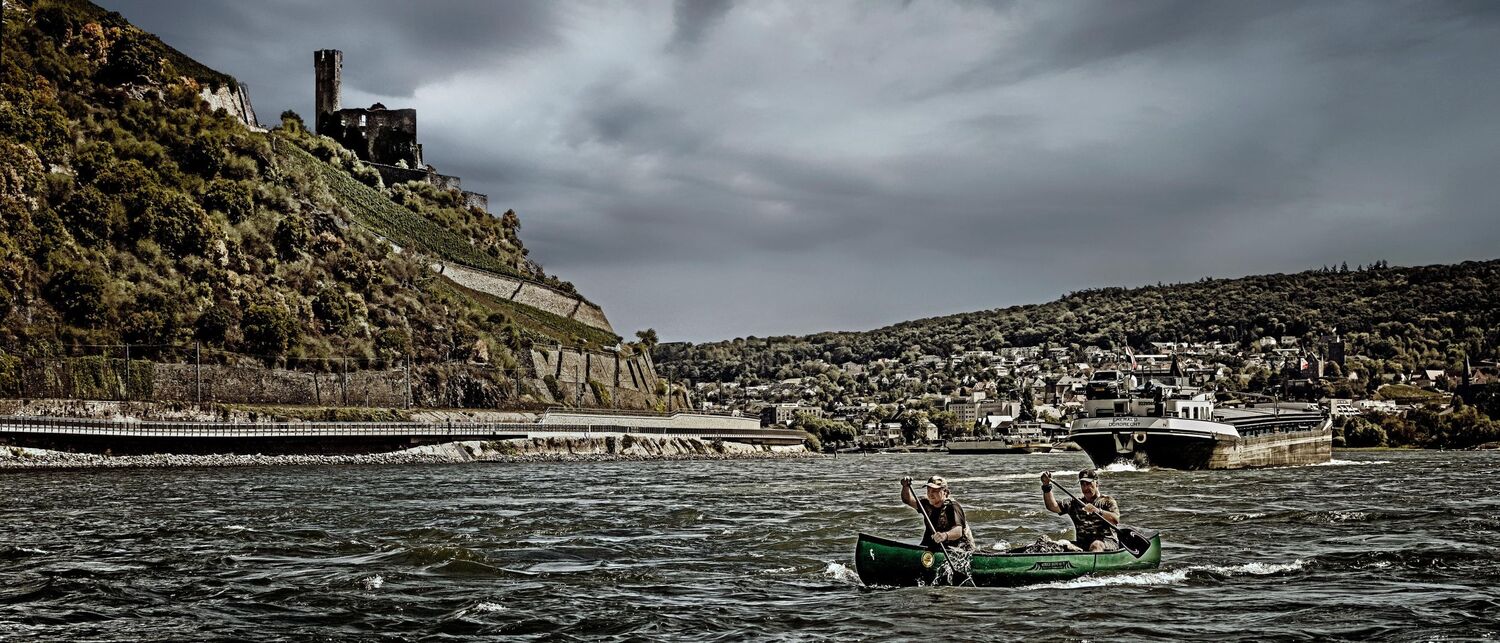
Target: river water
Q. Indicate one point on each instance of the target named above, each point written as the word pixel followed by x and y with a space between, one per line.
pixel 1386 545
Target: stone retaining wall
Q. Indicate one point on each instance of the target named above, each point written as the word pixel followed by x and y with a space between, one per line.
pixel 253 385
pixel 630 381
pixel 526 292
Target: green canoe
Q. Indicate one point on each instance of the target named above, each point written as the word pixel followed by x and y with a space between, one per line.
pixel 880 561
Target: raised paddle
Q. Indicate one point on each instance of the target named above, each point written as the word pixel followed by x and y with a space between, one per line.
pixel 1134 540
pixel 947 557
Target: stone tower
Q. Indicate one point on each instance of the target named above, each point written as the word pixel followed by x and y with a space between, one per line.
pixel 328 65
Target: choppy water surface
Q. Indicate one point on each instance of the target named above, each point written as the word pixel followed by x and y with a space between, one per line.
pixel 1377 545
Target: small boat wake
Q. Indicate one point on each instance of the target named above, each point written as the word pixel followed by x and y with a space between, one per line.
pixel 1118 467
pixel 1337 463
pixel 1175 576
pixel 1348 463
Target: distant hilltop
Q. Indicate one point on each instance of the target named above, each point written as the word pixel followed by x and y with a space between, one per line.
pixel 1400 319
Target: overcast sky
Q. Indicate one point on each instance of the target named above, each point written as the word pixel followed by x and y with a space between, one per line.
pixel 722 169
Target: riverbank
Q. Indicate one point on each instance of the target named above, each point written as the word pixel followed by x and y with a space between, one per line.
pixel 246 414
pixel 555 449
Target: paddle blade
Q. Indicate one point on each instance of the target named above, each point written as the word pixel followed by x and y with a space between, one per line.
pixel 1136 541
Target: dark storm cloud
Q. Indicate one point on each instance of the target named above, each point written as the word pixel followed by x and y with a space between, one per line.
pixel 390 48
pixel 692 18
pixel 717 169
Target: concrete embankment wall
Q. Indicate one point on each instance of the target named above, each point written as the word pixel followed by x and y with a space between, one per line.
pixel 676 420
pixel 631 381
pixel 527 292
pixel 529 450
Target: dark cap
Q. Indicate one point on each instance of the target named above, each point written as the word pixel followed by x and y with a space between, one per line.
pixel 937 482
pixel 1089 475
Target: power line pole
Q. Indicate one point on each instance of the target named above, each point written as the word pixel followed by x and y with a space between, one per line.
pixel 198 368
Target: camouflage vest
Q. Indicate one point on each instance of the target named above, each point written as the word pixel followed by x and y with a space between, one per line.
pixel 1089 527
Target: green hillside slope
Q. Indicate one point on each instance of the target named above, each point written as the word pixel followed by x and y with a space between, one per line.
pixel 130 213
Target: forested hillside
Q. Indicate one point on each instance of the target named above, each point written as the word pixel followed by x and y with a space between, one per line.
pixel 1398 318
pixel 131 213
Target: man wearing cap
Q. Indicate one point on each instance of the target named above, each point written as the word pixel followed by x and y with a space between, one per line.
pixel 1089 513
pixel 945 525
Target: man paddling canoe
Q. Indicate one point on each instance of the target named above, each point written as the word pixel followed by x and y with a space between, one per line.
pixel 1089 514
pixel 945 524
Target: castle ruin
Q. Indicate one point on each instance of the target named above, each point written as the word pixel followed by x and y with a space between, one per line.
pixel 384 138
pixel 376 134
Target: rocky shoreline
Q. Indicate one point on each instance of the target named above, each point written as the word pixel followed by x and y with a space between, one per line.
pixel 534 450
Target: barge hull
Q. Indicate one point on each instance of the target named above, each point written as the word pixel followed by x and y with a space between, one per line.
pixel 1175 450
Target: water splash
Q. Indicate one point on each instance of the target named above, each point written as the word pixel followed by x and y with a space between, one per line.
pixel 1124 467
pixel 841 573
pixel 372 583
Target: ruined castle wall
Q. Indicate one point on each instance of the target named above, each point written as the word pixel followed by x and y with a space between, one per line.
pixel 445 181
pixel 377 135
pixel 393 175
pixel 477 200
pixel 528 293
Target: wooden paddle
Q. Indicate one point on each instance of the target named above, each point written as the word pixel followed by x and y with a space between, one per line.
pixel 1134 540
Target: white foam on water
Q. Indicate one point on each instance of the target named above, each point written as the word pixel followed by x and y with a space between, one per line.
pixel 1113 580
pixel 372 583
pixel 1124 467
pixel 1339 463
pixel 1246 516
pixel 778 570
pixel 489 607
pixel 1254 569
pixel 1009 476
pixel 33 550
pixel 840 572
pixel 1057 476
pixel 1174 576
